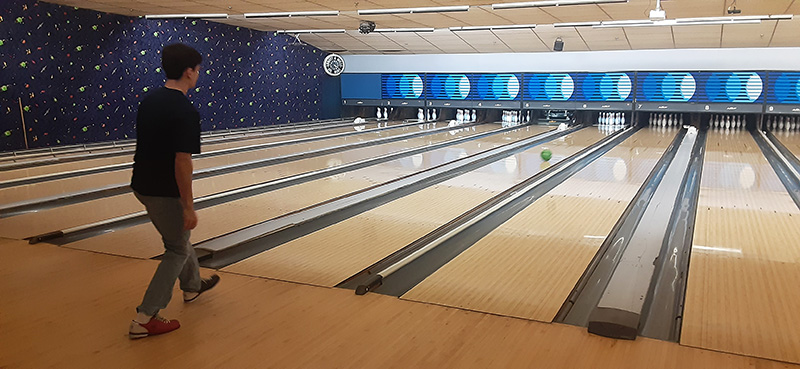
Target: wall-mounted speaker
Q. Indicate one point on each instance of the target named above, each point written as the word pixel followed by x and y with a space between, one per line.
pixel 558 45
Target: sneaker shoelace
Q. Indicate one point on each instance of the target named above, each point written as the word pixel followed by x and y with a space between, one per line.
pixel 161 319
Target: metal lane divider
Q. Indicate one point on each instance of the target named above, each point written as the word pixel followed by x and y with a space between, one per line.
pixel 662 314
pixel 469 222
pixel 590 286
pixel 232 150
pixel 793 160
pixel 788 173
pixel 619 312
pixel 252 190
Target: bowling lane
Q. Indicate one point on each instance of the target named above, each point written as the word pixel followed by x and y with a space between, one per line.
pixel 742 293
pixel 228 217
pixel 75 184
pixel 333 254
pixel 32 224
pixel 91 163
pixel 527 266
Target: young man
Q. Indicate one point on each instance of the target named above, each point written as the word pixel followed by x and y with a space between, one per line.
pixel 167 134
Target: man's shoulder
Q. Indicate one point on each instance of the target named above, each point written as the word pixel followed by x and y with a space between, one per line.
pixel 168 99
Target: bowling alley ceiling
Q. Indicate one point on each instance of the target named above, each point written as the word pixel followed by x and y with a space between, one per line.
pixel 767 33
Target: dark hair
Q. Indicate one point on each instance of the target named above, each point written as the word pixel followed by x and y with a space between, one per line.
pixel 176 58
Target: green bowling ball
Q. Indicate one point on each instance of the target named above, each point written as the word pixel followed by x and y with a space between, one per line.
pixel 546 154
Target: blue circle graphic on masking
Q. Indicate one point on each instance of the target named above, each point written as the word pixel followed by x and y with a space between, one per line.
pixel 607 87
pixel 737 87
pixel 673 86
pixel 786 88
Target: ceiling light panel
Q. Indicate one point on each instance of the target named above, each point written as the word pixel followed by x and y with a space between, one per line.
pixel 299 31
pixel 493 28
pixel 537 4
pixel 325 13
pixel 391 30
pixel 187 16
pixel 432 9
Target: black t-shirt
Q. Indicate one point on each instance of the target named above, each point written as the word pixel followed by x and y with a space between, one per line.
pixel 165 124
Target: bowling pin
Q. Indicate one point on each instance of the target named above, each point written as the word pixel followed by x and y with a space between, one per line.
pixel 378 114
pixel 420 115
pixel 474 115
pixel 386 113
pixel 434 114
pixel 780 123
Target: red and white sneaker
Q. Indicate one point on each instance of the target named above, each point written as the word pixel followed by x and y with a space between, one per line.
pixel 156 325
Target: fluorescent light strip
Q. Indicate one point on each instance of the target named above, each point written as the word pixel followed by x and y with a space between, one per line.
pixel 293 14
pixel 298 31
pixel 492 28
pixel 389 30
pixel 750 19
pixel 576 24
pixel 536 4
pixel 186 16
pixel 432 9
pixel 713 19
pixel 673 22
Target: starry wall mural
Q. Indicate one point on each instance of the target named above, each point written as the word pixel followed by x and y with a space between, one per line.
pixel 81 74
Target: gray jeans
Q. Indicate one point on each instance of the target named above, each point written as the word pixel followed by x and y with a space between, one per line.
pixel 179 260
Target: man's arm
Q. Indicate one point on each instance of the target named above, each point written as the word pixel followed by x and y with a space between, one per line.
pixel 183 175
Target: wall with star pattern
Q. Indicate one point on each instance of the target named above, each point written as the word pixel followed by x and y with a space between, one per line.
pixel 81 74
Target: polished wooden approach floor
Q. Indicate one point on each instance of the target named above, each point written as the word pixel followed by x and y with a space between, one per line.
pixel 64 308
pixel 742 294
pixel 528 266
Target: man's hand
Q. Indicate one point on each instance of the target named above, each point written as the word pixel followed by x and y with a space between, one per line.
pixel 189 219
pixel 183 176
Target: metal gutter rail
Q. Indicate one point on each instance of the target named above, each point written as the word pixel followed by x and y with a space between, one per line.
pixel 788 174
pixel 590 286
pixel 662 314
pixel 618 313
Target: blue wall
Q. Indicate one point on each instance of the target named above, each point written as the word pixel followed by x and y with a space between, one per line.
pixel 81 74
